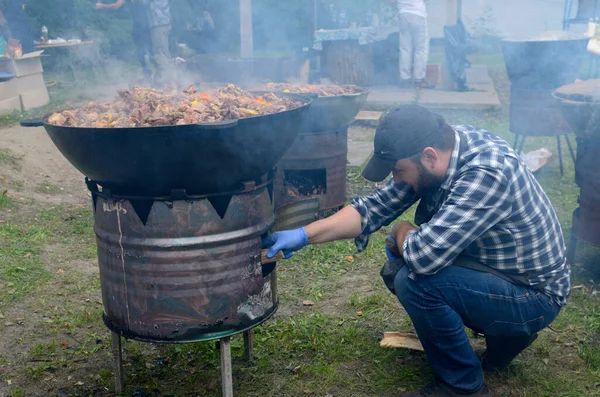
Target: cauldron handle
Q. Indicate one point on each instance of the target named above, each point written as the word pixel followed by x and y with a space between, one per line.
pixel 32 123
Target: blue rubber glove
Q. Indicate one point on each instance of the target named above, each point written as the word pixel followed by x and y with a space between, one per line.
pixel 287 241
pixel 391 247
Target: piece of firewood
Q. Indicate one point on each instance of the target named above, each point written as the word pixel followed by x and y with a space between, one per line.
pixel 401 340
pixel 264 260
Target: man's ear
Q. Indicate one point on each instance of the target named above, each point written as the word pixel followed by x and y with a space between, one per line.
pixel 429 157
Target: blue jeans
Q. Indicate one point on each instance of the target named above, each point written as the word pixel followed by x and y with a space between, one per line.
pixel 441 305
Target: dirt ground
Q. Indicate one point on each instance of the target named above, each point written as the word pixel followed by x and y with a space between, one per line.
pixel 41 167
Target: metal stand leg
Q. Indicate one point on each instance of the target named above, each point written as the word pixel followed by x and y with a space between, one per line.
pixel 226 370
pixel 521 145
pixel 571 250
pixel 516 141
pixel 117 362
pixel 560 159
pixel 570 148
pixel 249 344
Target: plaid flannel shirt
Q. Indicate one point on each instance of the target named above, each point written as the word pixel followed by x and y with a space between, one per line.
pixel 489 207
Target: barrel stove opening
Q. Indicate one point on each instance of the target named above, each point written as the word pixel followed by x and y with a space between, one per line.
pixel 303 183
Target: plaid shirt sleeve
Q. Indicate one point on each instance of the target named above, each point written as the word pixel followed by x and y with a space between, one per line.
pixel 381 208
pixel 479 199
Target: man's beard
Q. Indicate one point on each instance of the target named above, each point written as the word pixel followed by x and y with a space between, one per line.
pixel 427 183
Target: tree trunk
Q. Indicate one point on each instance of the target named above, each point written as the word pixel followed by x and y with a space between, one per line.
pixel 247 39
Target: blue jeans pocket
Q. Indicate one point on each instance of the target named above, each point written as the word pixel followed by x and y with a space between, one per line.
pixel 512 329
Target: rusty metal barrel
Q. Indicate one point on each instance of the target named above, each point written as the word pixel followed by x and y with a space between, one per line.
pixel 586 220
pixel 314 166
pixel 184 268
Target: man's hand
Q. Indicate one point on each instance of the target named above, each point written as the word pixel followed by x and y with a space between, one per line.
pixel 287 241
pixel 398 235
pixel 99 6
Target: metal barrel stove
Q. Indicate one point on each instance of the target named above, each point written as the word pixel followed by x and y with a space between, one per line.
pixel 180 212
pixel 582 112
pixel 184 268
pixel 315 164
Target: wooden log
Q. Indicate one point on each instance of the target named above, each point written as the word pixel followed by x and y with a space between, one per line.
pixel 401 340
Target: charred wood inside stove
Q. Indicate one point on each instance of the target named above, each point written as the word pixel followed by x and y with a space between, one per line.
pixel 300 183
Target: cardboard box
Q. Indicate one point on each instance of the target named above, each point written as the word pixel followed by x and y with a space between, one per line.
pixel 8 106
pixel 29 64
pixel 8 89
pixel 34 99
pixel 34 82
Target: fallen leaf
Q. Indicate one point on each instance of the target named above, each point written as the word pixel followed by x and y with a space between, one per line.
pixel 60 271
pixel 9 381
pixel 79 383
pixel 8 324
pixel 69 377
pixel 27 255
pixel 546 361
pixel 577 287
pixel 64 344
pixel 308 303
pixel 359 314
pixel 349 258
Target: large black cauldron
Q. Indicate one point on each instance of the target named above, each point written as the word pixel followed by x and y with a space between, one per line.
pixel 200 158
pixel 544 62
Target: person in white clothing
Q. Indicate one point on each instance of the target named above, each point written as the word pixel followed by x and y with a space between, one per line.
pixel 414 43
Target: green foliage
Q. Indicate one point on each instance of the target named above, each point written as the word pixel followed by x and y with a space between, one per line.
pixel 80 19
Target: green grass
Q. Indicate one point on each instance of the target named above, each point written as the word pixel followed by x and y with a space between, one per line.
pixel 22 269
pixel 6 201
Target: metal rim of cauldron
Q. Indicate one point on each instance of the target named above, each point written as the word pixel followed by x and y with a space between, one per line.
pixel 568 106
pixel 107 193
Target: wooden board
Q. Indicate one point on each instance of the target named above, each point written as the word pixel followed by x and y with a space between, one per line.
pixel 367 117
pixel 57 45
pixel 401 340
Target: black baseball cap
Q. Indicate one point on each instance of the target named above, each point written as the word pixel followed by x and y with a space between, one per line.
pixel 402 133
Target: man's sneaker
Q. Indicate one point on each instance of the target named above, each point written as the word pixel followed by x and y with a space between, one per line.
pixel 500 360
pixel 437 388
